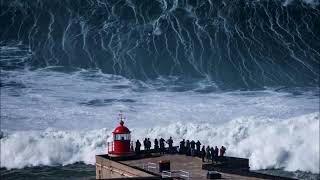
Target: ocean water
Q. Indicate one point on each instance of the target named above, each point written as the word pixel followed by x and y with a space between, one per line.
pixel 55 118
pixel 241 74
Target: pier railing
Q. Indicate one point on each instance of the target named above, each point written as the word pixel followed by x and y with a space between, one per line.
pixel 176 173
pixel 165 174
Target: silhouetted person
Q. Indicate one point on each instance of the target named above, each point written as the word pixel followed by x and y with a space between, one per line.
pixel 182 147
pixel 192 146
pixel 170 142
pixel 198 145
pixel 145 144
pixel 212 153
pixel 149 143
pixel 216 152
pixel 208 153
pixel 138 145
pixel 222 151
pixel 156 145
pixel 187 151
pixel 203 153
pixel 162 146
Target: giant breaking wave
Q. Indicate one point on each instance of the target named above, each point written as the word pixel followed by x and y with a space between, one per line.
pixel 245 43
pixel 72 61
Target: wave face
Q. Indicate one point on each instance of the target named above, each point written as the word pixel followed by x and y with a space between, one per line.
pixel 244 43
pixel 245 137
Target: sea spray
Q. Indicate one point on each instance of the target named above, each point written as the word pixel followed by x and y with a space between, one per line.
pixel 268 143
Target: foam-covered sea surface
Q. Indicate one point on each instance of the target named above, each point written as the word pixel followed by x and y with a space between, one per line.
pixel 56 118
pixel 241 74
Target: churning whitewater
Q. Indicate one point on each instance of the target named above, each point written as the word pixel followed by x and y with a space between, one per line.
pixel 267 142
pixel 243 74
pixel 55 118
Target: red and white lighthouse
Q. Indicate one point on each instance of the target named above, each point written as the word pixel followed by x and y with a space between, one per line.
pixel 121 144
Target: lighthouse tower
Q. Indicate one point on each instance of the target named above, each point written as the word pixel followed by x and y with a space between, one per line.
pixel 120 147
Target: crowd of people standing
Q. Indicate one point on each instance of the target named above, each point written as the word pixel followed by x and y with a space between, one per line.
pixel 159 145
pixel 187 147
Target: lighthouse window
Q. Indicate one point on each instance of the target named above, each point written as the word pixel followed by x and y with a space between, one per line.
pixel 122 137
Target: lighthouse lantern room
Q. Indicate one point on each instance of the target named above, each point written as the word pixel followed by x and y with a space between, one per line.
pixel 121 144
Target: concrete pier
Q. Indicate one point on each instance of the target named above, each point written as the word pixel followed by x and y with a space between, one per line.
pixel 146 166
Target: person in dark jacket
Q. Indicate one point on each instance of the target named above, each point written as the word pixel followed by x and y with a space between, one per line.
pixel 162 145
pixel 212 153
pixel 156 145
pixel 203 153
pixel 208 156
pixel 145 144
pixel 187 150
pixel 170 142
pixel 198 145
pixel 149 144
pixel 216 152
pixel 182 146
pixel 138 145
pixel 192 146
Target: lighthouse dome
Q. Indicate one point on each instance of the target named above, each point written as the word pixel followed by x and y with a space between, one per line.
pixel 121 129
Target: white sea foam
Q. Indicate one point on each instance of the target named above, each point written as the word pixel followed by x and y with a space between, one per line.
pixel 53 118
pixel 292 144
pixel 83 99
pixel 51 147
